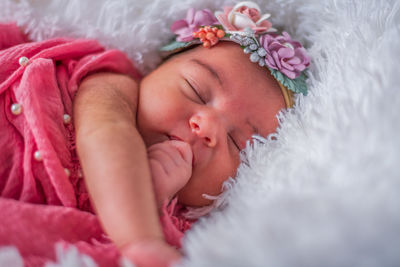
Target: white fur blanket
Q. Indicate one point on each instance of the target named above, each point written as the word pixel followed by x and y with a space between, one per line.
pixel 327 191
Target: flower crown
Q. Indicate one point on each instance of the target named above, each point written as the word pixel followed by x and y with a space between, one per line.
pixel 285 58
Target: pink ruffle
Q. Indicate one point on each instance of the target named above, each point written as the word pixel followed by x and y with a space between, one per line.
pixel 40 204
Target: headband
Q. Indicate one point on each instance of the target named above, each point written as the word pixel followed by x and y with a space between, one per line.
pixel 244 24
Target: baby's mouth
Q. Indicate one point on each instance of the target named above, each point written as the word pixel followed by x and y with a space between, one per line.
pixel 173 137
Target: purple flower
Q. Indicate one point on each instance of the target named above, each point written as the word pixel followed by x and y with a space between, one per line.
pixel 184 28
pixel 284 54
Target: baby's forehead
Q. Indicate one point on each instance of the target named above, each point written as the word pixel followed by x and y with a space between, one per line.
pixel 233 67
pixel 229 51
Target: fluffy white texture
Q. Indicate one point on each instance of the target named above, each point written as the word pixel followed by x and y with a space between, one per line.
pixel 9 256
pixel 66 257
pixel 70 256
pixel 326 192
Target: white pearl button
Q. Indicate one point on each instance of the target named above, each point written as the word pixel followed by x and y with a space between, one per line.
pixel 16 109
pixel 67 119
pixel 37 155
pixel 23 61
pixel 67 172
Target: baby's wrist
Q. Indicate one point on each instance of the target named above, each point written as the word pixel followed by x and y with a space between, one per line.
pixel 150 252
pixel 142 240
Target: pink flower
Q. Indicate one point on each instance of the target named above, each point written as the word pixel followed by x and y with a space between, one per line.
pixel 284 54
pixel 244 15
pixel 184 28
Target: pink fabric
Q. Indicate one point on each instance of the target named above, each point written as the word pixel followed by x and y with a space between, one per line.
pixel 174 223
pixel 40 204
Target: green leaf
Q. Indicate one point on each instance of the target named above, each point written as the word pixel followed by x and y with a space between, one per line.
pixel 297 85
pixel 174 45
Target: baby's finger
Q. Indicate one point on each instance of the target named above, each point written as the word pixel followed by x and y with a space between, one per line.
pixel 177 150
pixel 167 154
pixel 157 168
pixel 184 150
pixel 164 158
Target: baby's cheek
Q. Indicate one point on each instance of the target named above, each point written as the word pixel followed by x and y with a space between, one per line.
pixel 208 181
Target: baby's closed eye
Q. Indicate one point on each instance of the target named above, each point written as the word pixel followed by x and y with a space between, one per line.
pixel 195 93
pixel 232 140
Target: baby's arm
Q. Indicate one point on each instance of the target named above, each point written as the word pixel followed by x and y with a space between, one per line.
pixel 114 161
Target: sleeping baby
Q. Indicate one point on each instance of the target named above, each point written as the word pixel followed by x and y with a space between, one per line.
pixel 83 129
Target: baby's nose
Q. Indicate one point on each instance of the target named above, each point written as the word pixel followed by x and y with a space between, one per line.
pixel 205 129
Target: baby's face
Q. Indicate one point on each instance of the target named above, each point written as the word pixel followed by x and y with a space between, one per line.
pixel 214 99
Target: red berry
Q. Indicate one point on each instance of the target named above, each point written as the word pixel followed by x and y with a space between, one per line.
pixel 220 33
pixel 207 44
pixel 214 41
pixel 210 35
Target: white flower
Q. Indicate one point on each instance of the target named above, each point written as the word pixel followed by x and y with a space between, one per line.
pixel 244 15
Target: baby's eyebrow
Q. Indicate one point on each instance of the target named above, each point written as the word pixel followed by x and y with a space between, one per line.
pixel 212 71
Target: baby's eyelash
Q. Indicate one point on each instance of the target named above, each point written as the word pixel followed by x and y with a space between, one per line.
pixel 196 92
pixel 233 140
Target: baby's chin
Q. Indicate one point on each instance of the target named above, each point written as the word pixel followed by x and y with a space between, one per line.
pixel 189 196
pixel 192 193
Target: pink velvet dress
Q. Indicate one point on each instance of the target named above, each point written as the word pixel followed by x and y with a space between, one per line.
pixel 43 196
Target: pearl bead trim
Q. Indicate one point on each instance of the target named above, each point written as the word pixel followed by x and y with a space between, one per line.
pixel 38 156
pixel 23 61
pixel 16 108
pixel 67 119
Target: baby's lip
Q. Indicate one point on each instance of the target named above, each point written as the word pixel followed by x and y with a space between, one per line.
pixel 173 137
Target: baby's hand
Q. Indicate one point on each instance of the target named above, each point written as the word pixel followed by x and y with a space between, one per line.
pixel 150 253
pixel 171 167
